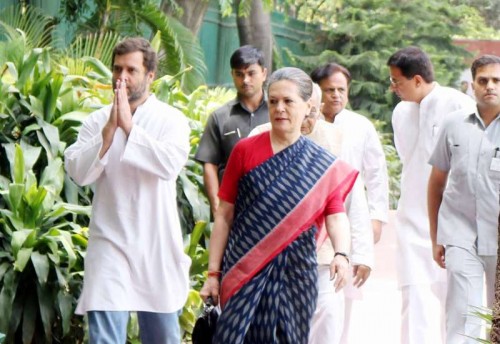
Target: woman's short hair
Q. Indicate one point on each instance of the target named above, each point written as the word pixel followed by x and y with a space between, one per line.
pixel 131 45
pixel 295 75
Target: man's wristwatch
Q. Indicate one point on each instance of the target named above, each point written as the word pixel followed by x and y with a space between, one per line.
pixel 343 254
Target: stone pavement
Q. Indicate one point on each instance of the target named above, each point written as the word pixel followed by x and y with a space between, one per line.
pixel 376 318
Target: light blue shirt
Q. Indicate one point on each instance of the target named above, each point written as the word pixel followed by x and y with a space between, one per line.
pixel 468 214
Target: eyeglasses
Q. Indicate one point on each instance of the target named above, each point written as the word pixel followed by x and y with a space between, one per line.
pixel 396 83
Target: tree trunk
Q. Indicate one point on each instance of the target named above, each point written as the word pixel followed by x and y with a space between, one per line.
pixel 255 29
pixel 193 12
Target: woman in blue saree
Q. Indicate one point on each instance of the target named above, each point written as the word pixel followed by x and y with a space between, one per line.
pixel 278 192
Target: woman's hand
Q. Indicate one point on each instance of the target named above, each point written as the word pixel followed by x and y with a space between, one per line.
pixel 211 289
pixel 339 268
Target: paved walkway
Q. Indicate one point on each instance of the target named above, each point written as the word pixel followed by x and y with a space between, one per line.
pixel 376 318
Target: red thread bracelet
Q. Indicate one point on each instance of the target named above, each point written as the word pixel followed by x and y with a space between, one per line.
pixel 214 273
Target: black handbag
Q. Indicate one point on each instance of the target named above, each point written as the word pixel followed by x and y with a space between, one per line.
pixel 204 328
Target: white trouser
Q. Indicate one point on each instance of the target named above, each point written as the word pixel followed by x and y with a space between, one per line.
pixel 466 271
pixel 328 319
pixel 422 313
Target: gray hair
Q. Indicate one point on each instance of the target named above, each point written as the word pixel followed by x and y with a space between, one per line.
pixel 295 75
pixel 316 95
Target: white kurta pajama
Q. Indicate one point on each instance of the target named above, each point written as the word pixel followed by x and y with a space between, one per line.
pixel 135 259
pixel 416 127
pixel 362 149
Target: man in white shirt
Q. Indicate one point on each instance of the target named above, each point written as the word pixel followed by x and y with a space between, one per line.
pixel 362 149
pixel 463 202
pixel 416 121
pixel 132 152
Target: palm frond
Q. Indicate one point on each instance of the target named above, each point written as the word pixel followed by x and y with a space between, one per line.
pixel 36 26
pixel 183 51
pixel 87 47
pixel 98 45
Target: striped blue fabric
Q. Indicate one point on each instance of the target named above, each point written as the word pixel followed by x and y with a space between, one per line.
pixel 277 304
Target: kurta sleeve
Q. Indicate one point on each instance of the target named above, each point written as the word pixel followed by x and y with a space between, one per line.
pixel 361 230
pixel 163 156
pixel 406 128
pixel 82 158
pixel 441 156
pixel 375 176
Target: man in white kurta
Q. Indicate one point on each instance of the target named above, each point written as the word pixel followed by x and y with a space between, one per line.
pixel 416 122
pixel 135 259
pixel 362 149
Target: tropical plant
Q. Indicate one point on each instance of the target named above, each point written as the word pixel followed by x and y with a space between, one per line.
pixel 40 265
pixel 45 95
pixel 36 26
pixel 42 237
pixel 486 316
pixel 180 48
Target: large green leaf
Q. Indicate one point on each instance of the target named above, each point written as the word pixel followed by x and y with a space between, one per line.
pixel 30 155
pixel 34 199
pixel 196 235
pixel 100 68
pixel 53 176
pixel 16 193
pixel 4 267
pixel 22 258
pixel 26 69
pixel 67 243
pixel 7 295
pixel 192 192
pixel 19 167
pixel 75 116
pixel 51 137
pixel 65 305
pixel 29 317
pixel 42 266
pixel 50 101
pixel 18 239
pixel 46 309
pixel 62 209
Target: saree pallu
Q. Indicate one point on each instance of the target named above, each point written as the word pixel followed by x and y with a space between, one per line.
pixel 268 290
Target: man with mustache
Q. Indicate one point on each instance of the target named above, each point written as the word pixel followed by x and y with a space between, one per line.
pixel 464 204
pixel 235 119
pixel 132 151
pixel 416 121
pixel 362 149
